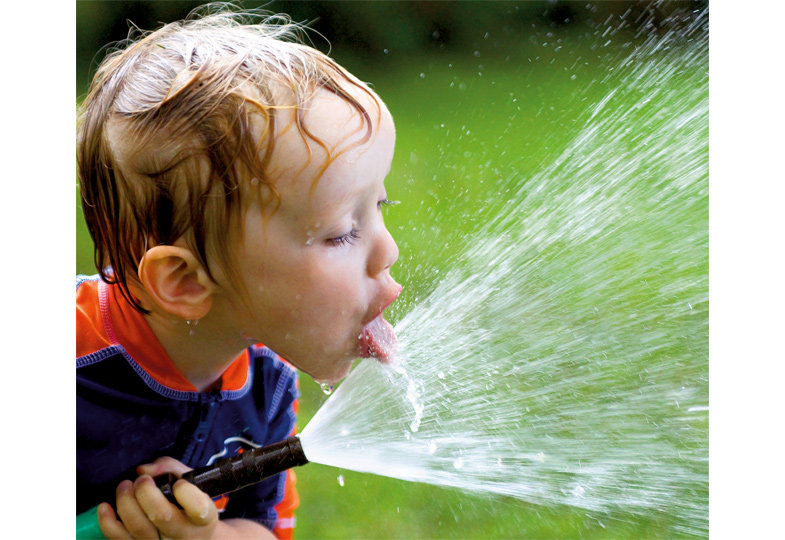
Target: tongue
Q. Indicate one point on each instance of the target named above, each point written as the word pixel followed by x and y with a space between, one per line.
pixel 378 340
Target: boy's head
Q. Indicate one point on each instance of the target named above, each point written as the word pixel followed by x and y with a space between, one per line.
pixel 250 154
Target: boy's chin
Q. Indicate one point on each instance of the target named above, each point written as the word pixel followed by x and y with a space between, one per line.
pixel 337 372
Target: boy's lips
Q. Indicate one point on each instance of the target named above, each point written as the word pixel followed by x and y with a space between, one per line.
pixel 377 338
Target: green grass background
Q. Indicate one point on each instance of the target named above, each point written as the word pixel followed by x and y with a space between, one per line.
pixel 464 123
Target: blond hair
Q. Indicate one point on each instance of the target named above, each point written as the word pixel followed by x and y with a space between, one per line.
pixel 202 86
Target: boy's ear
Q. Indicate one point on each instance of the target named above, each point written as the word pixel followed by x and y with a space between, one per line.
pixel 176 281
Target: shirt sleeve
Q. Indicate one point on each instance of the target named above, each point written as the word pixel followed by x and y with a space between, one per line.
pixel 284 525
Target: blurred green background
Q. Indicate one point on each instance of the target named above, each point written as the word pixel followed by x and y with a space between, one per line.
pixel 481 92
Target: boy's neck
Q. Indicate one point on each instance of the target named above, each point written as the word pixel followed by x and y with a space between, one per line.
pixel 194 349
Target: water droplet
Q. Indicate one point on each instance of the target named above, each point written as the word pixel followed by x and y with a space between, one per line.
pixel 192 324
pixel 458 463
pixel 386 51
pixel 340 480
pixel 422 75
pixel 326 388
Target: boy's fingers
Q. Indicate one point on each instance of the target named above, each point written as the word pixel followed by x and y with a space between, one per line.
pixel 109 524
pixel 134 518
pixel 162 514
pixel 163 465
pixel 199 507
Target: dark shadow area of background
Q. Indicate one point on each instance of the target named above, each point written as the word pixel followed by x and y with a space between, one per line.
pixel 367 29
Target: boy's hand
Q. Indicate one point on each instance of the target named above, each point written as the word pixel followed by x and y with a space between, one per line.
pixel 144 511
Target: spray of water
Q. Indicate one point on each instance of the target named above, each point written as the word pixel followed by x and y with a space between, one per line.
pixel 563 360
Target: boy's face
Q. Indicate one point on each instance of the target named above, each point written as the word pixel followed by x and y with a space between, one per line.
pixel 317 269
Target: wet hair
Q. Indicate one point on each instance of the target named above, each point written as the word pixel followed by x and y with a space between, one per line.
pixel 196 102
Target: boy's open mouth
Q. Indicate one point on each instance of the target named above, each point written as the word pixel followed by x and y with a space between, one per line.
pixel 378 340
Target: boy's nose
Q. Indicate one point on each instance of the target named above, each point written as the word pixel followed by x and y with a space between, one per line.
pixel 384 253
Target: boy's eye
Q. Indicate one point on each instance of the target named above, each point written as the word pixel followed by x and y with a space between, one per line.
pixel 345 239
pixel 386 202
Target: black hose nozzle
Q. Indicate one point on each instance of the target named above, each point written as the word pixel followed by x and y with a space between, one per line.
pixel 231 474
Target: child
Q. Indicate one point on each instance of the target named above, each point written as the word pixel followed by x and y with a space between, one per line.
pixel 232 182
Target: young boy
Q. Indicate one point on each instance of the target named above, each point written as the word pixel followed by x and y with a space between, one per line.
pixel 232 182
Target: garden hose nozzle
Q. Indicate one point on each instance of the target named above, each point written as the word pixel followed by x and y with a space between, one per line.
pixel 231 474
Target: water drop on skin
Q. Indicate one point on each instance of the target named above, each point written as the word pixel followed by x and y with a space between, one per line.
pixel 326 388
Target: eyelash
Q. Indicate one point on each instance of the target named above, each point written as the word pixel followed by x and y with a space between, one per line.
pixel 352 236
pixel 387 202
pixel 346 239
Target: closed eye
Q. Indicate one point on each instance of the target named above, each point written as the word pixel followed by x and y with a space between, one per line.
pixel 345 239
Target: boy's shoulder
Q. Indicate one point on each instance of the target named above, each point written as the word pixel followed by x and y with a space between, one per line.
pixel 98 339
